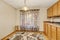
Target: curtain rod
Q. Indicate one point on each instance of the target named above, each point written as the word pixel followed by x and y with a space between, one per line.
pixel 31 10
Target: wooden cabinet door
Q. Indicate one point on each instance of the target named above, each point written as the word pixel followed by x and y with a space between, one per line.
pixel 53 31
pixel 45 28
pixel 59 8
pixel 49 12
pixel 55 9
pixel 49 31
pixel 58 33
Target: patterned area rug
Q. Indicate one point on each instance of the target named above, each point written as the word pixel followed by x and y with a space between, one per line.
pixel 27 36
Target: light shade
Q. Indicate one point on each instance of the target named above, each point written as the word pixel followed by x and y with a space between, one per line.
pixel 25 8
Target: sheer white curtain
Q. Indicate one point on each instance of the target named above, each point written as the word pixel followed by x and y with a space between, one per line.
pixel 28 20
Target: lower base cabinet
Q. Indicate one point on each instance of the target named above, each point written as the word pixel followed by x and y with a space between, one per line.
pixel 52 31
pixel 58 33
pixel 49 32
pixel 45 28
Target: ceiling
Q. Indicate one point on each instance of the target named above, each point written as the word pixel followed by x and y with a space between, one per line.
pixel 31 3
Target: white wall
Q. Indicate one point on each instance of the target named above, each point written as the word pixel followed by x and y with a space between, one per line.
pixel 18 18
pixel 56 19
pixel 42 18
pixel 7 19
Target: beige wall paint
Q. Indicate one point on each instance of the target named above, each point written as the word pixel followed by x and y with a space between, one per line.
pixel 42 18
pixel 18 18
pixel 7 19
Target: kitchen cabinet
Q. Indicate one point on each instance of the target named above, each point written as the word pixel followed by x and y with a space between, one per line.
pixel 49 12
pixel 45 28
pixel 58 33
pixel 55 10
pixel 53 31
pixel 59 8
pixel 49 31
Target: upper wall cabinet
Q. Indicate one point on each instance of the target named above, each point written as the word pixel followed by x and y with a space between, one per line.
pixel 59 8
pixel 54 11
pixel 49 12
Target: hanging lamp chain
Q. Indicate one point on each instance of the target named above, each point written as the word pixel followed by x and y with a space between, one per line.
pixel 25 2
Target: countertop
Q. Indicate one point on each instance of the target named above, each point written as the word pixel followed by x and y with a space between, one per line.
pixel 57 24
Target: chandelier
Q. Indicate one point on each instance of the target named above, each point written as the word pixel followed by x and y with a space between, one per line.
pixel 25 8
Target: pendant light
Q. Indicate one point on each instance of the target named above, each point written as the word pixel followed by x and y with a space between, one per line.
pixel 25 8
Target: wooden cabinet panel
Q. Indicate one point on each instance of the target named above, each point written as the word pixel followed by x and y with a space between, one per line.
pixel 58 33
pixel 55 9
pixel 59 8
pixel 49 32
pixel 53 31
pixel 45 28
pixel 49 12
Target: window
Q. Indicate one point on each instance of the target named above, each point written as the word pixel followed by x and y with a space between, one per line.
pixel 28 20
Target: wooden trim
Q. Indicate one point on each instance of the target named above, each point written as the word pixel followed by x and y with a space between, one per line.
pixel 9 35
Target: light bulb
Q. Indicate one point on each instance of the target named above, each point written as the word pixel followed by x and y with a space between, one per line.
pixel 25 8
